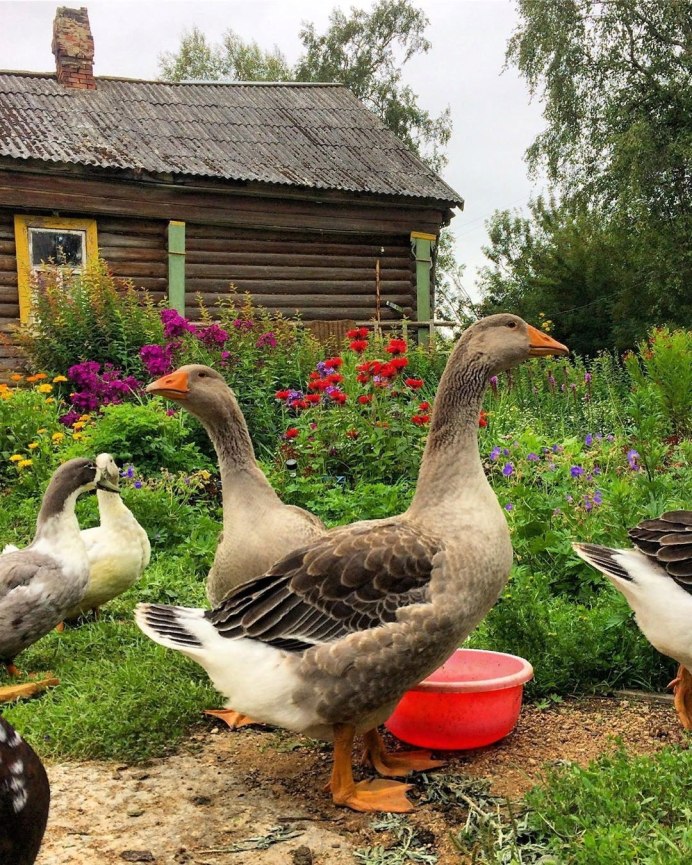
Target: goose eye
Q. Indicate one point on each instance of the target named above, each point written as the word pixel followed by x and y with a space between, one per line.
pixel 511 324
pixel 201 375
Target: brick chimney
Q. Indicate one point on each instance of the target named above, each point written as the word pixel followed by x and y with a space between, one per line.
pixel 73 46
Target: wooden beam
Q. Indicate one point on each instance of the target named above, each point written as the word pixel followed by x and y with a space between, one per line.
pixel 422 245
pixel 176 265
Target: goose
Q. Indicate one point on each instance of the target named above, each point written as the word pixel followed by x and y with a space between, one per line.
pixel 656 580
pixel 118 548
pixel 329 639
pixel 24 798
pixel 40 583
pixel 258 528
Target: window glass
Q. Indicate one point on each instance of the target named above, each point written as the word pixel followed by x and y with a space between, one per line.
pixel 55 246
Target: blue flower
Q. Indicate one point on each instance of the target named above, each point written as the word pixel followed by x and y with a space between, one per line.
pixel 533 457
pixel 507 469
pixel 576 471
pixel 509 506
pixel 128 473
pixel 138 485
pixel 495 453
pixel 588 441
pixel 505 452
pixel 598 497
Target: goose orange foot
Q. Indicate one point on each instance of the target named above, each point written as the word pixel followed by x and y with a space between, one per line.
pixel 682 691
pixel 396 765
pixel 230 717
pixel 378 795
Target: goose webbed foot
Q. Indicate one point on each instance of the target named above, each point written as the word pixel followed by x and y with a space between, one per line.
pixel 231 718
pixel 378 795
pixel 682 693
pixel 395 764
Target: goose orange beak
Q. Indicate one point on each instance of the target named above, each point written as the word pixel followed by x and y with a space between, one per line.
pixel 540 344
pixel 172 386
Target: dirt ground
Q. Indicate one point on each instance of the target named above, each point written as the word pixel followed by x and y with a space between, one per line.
pixel 256 796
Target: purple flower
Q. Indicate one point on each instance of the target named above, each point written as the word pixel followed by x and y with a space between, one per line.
pixel 596 470
pixel 532 457
pixel 509 506
pixel 507 469
pixel 551 467
pixel 493 383
pixel 170 412
pixel 495 453
pixel 212 336
pixel 587 377
pixel 610 437
pixel 505 452
pixel 557 512
pixel 598 497
pixel 129 472
pixel 243 324
pixel 70 418
pixel 632 459
pixel 158 359
pixel 569 499
pixel 174 324
pixel 267 340
pixel 137 485
pixel 588 441
pixel 576 471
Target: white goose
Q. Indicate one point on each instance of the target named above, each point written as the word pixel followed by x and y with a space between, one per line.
pixel 327 641
pixel 39 584
pixel 118 548
pixel 656 580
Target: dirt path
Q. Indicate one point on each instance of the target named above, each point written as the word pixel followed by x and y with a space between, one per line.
pixel 206 804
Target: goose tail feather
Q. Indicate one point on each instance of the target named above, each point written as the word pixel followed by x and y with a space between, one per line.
pixel 184 629
pixel 604 560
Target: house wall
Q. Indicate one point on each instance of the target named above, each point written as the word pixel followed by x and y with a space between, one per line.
pixel 311 254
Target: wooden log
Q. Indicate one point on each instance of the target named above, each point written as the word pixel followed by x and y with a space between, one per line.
pixel 303 286
pixel 109 240
pixel 8 278
pixel 130 255
pixel 9 310
pixel 125 227
pixel 260 254
pixel 307 301
pixel 261 272
pixel 7 247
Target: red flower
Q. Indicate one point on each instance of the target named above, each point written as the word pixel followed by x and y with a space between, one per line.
pixel 314 375
pixel 318 384
pixel 352 433
pixel 420 419
pixel 333 362
pixel 396 346
pixel 365 398
pixel 424 406
pixel 291 432
pixel 335 378
pixel 358 345
pixel 399 362
pixel 387 370
pixel 362 378
pixel 483 419
pixel 414 383
pixel 338 396
pixel 312 398
pixel 299 404
pixel 281 394
pixel 357 333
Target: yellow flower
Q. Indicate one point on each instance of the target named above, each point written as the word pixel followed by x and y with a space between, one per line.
pixel 58 437
pixel 6 394
pixel 204 474
pixel 59 378
pixel 79 425
pixel 33 446
pixel 50 399
pixel 42 430
pixel 37 376
pixel 24 463
pixel 32 378
pixel 44 388
pixel 15 458
pixel 77 436
pixel 16 376
pixel 3 386
pixel 84 417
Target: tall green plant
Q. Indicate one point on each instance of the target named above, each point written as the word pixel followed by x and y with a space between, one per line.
pixel 87 316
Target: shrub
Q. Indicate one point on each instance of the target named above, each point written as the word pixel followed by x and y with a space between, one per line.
pixel 88 316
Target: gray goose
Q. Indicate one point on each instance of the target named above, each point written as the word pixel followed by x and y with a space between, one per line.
pixel 40 583
pixel 118 548
pixel 258 528
pixel 656 580
pixel 24 799
pixel 329 639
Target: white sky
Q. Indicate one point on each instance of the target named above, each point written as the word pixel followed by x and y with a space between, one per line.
pixel 493 120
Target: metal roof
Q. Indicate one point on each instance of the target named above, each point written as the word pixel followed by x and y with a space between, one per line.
pixel 317 136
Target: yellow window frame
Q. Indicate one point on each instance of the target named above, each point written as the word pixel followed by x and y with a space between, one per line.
pixel 22 224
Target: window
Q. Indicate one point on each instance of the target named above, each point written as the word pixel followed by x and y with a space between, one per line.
pixel 48 241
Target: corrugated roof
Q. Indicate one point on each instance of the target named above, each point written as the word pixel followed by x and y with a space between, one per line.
pixel 317 136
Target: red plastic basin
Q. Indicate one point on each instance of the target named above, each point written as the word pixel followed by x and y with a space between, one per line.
pixel 472 700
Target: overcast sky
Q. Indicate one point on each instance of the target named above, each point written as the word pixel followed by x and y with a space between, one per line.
pixel 494 122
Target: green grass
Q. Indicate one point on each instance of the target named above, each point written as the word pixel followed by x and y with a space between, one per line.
pixel 120 696
pixel 619 810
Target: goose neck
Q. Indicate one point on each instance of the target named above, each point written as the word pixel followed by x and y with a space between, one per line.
pixel 58 519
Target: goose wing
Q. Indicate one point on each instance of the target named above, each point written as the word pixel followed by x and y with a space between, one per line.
pixel 24 567
pixel 350 580
pixel 668 541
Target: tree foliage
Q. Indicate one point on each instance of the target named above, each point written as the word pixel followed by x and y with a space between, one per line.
pixel 614 78
pixel 363 50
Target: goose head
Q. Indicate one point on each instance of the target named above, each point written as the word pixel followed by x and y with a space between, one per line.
pixel 503 341
pixel 200 388
pixel 109 478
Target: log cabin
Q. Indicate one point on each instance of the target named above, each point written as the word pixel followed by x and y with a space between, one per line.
pixel 293 192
